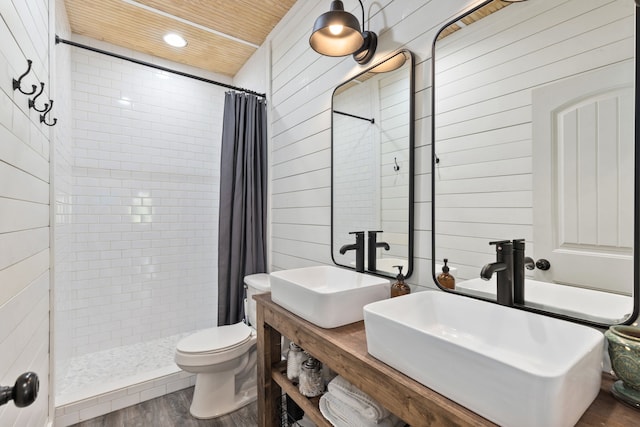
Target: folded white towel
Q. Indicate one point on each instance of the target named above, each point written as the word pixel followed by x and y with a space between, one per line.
pixel 357 399
pixel 305 422
pixel 340 414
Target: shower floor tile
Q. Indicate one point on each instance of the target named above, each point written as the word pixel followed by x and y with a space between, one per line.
pixel 115 368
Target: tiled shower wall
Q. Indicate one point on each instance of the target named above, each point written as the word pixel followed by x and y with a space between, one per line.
pixel 143 256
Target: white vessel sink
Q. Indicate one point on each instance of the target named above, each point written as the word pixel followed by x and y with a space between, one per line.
pixel 513 367
pixel 327 296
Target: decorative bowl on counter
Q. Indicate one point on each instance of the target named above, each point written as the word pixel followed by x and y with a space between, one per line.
pixel 624 351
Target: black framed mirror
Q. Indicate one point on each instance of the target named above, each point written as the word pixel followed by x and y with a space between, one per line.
pixel 372 168
pixel 535 148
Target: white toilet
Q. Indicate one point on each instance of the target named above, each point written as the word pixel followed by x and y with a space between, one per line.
pixel 224 360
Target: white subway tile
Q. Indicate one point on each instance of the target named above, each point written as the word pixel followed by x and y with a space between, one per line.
pixel 95 411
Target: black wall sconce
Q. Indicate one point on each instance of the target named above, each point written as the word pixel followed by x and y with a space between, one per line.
pixel 337 33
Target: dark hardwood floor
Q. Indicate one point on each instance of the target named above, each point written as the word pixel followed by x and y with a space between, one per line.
pixel 169 411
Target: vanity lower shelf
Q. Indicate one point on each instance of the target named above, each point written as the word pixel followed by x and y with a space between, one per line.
pixel 344 350
pixel 308 404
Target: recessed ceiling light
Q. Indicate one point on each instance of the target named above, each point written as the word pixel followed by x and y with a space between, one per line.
pixel 175 40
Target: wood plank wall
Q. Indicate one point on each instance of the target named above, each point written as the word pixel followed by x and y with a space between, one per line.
pixel 24 208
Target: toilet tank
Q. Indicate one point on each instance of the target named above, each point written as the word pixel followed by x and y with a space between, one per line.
pixel 256 284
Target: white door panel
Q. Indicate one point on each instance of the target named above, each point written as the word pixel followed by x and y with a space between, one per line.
pixel 583 145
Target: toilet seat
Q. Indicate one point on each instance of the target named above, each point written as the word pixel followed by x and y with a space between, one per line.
pixel 215 340
pixel 215 346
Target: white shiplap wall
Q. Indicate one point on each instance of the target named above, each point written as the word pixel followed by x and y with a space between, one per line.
pixel 24 208
pixel 300 89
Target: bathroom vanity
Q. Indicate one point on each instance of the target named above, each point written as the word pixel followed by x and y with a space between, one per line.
pixel 344 350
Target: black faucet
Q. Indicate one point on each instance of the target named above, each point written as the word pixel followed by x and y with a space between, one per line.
pixel 504 269
pixel 520 262
pixel 510 264
pixel 358 246
pixel 373 244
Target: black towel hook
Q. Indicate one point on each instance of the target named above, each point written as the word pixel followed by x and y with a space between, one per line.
pixel 396 167
pixel 32 102
pixel 43 116
pixel 17 84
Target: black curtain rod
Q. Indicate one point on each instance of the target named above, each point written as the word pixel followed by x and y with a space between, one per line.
pixel 354 116
pixel 157 67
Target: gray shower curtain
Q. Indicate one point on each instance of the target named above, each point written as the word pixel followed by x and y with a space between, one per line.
pixel 243 201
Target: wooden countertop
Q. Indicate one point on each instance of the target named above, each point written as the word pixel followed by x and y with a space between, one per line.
pixel 344 349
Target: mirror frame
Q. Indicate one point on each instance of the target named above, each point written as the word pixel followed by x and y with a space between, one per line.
pixel 411 124
pixel 636 203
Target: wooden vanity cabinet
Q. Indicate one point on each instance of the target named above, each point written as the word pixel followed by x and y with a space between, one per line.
pixel 344 350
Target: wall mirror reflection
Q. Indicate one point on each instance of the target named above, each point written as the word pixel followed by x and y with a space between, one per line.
pixel 372 169
pixel 534 156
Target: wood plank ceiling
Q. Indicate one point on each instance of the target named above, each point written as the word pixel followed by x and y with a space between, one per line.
pixel 141 24
pixel 483 12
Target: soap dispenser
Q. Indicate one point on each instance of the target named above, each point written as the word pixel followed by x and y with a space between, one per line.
pixel 445 279
pixel 399 288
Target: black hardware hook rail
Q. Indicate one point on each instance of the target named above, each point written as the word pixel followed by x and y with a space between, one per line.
pixel 46 109
pixel 354 116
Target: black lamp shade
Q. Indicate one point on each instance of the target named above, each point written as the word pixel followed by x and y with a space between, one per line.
pixel 336 33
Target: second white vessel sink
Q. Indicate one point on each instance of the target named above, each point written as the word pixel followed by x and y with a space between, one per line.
pixel 327 296
pixel 513 367
pixel 588 304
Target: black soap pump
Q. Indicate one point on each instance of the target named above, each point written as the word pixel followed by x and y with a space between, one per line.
pixel 399 288
pixel 445 279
